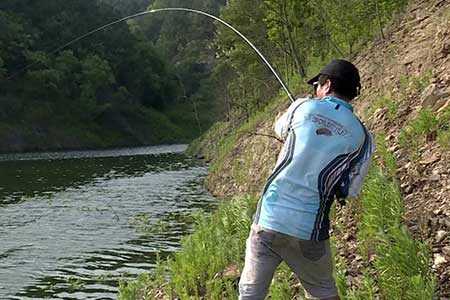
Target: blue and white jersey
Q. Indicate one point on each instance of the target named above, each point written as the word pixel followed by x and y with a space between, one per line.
pixel 326 154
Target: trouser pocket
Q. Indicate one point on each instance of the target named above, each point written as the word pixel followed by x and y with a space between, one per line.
pixel 312 250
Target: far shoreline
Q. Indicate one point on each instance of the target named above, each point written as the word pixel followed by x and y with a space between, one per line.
pixel 95 152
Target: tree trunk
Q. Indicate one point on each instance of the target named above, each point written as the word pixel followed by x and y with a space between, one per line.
pixel 299 65
pixel 380 23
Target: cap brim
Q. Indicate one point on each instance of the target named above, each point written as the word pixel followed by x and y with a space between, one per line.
pixel 314 79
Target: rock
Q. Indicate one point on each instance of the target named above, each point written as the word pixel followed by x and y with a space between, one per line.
pixel 389 137
pixel 440 235
pixel 439 259
pixel 445 49
pixel 394 148
pixel 408 165
pixel 436 171
pixel 431 95
pixel 434 177
pixel 432 158
pixel 409 196
pixel 437 211
pixel 443 107
pixel 414 173
pixel 446 250
pixel 231 272
pixel 441 103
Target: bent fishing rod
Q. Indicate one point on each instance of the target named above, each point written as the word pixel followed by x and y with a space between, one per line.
pixel 263 58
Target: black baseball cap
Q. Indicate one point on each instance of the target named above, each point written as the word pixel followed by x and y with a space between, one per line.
pixel 342 70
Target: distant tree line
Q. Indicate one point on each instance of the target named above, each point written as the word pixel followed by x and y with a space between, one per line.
pixel 124 85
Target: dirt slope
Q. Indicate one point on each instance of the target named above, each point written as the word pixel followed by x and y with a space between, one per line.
pixel 412 67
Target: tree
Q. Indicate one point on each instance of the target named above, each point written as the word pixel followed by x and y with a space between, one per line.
pixel 2 71
pixel 97 77
pixel 252 82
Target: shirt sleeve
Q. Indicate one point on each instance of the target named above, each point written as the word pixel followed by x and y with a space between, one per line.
pixel 360 169
pixel 353 179
pixel 283 123
pixel 280 127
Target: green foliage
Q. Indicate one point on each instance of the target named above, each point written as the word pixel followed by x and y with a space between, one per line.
pixel 414 134
pixel 443 131
pixel 382 209
pixel 367 290
pixel 220 239
pixel 426 126
pixel 414 84
pixel 167 60
pixel 208 143
pixel 387 160
pixel 244 83
pixel 403 81
pixel 282 286
pixel 391 105
pixel 42 84
pixel 403 266
pixel 127 7
pixel 419 83
pixel 105 82
pixel 2 70
pixel 136 289
pixel 298 37
pixel 400 267
pixel 443 137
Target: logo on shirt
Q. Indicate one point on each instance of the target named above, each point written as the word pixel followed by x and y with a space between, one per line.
pixel 326 126
pixel 324 131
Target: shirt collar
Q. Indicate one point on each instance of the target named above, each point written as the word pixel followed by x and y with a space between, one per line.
pixel 339 101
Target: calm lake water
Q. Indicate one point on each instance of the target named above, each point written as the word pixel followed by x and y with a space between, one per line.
pixel 72 224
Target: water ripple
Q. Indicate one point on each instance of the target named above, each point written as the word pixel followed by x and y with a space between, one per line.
pixel 72 226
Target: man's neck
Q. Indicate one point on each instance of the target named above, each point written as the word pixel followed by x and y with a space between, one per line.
pixel 333 94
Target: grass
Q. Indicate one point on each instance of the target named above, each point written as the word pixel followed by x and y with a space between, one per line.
pixel 415 85
pixel 443 137
pixel 389 103
pixel 420 82
pixel 427 126
pixel 403 83
pixel 400 269
pixel 443 130
pixel 217 242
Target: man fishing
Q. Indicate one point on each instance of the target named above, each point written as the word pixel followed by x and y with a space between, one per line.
pixel 325 155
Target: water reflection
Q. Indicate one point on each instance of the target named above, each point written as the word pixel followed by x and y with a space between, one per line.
pixel 71 228
pixel 29 176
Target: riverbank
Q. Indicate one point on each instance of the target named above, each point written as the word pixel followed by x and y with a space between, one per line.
pixel 385 260
pixel 112 212
pixel 111 130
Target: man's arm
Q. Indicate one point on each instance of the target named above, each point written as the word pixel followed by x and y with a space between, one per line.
pixel 282 123
pixel 353 180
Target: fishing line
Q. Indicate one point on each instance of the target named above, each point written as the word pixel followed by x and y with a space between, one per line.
pixel 263 58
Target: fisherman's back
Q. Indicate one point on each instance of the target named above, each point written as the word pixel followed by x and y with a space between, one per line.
pixel 324 139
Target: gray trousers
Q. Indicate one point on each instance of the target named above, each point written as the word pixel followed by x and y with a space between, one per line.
pixel 310 260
